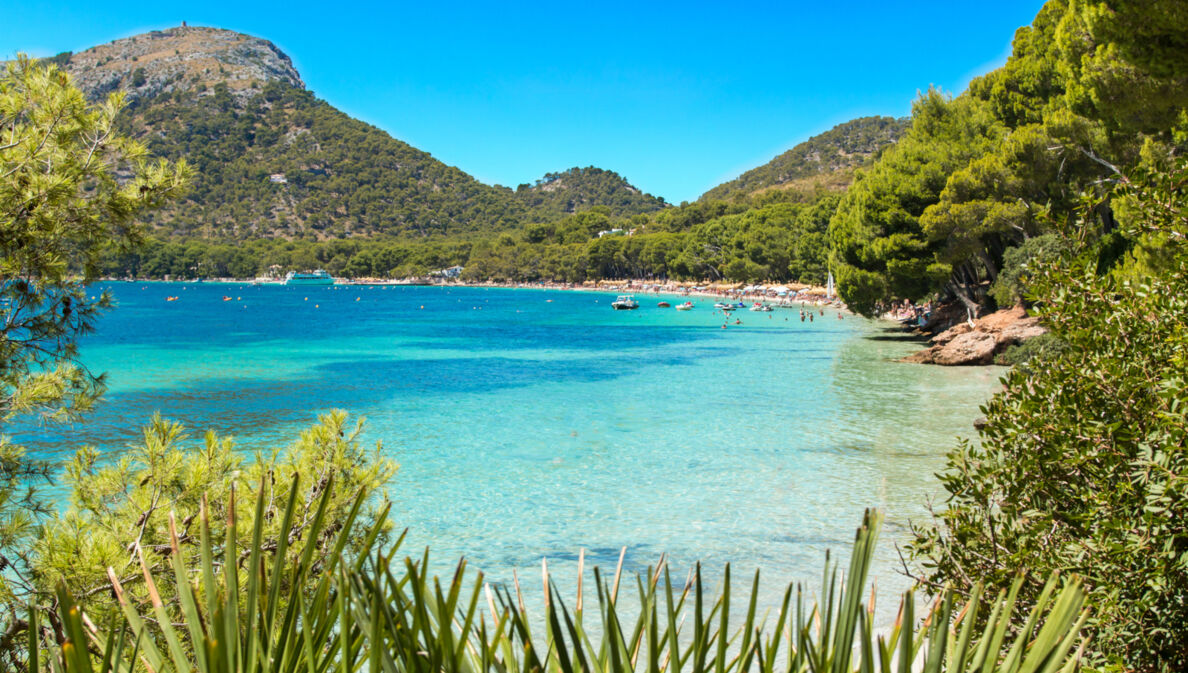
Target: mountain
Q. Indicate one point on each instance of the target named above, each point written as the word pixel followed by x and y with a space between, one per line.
pixel 827 160
pixel 272 160
pixel 560 194
pixel 163 61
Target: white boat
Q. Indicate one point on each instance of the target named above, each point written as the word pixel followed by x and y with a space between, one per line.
pixel 760 307
pixel 318 277
pixel 624 302
pixel 687 306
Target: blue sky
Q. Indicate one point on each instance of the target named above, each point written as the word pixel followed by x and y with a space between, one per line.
pixel 677 97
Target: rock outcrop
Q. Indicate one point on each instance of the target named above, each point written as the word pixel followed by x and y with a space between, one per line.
pixel 977 344
pixel 163 61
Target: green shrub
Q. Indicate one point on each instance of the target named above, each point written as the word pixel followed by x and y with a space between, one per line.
pixel 1010 286
pixel 1019 354
pixel 120 514
pixel 385 616
pixel 1082 465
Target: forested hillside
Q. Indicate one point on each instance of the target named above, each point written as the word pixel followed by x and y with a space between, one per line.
pixel 274 161
pixel 559 194
pixel 283 164
pixel 824 161
pixel 283 178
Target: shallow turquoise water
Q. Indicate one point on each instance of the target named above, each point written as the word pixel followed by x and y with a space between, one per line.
pixel 531 424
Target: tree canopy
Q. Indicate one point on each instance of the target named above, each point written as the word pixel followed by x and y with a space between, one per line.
pixel 1084 95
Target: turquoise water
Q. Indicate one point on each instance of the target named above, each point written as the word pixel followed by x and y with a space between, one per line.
pixel 532 424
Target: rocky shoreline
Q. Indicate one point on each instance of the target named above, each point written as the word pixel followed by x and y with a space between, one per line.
pixel 979 342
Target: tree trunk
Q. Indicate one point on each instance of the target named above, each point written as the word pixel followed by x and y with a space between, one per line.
pixel 991 269
pixel 971 307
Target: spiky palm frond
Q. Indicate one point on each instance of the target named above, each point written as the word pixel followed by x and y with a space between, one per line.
pixel 380 615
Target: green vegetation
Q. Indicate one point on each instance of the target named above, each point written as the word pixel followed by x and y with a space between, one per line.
pixel 342 177
pixel 377 614
pixel 832 155
pixel 559 194
pixel 360 204
pixel 279 163
pixel 773 239
pixel 1081 466
pixel 1085 95
pixel 119 514
pixel 284 179
pixel 61 210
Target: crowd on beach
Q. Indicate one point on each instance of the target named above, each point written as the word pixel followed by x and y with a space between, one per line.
pixel 909 313
pixel 787 295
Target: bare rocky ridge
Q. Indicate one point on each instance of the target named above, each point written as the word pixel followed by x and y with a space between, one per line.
pixel 977 344
pixel 163 61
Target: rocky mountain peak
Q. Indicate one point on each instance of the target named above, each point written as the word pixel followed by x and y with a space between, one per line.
pixel 184 57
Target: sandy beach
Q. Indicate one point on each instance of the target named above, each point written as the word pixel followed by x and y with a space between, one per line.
pixel 787 295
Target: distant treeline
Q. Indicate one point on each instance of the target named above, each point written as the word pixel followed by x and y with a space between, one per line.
pixel 782 238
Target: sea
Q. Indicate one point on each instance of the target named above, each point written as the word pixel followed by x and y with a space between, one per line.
pixel 534 424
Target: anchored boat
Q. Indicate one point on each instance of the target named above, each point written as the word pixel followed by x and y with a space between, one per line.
pixel 624 302
pixel 318 277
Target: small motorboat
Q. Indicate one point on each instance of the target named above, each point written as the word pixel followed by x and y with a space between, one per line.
pixel 624 302
pixel 664 304
pixel 723 306
pixel 687 306
pixel 760 307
